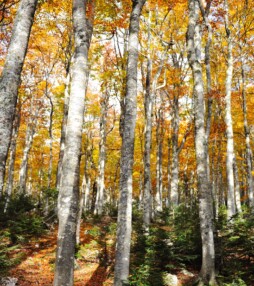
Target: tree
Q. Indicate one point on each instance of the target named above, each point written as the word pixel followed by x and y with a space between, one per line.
pixel 127 151
pixel 10 78
pixel 207 274
pixel 228 119
pixel 69 186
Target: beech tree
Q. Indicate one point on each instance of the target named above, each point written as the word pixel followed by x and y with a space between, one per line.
pixel 207 273
pixel 11 74
pixel 123 240
pixel 69 185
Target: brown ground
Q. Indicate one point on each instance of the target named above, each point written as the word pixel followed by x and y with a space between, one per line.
pixel 38 256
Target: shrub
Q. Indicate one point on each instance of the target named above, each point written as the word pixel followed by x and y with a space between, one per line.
pixel 25 226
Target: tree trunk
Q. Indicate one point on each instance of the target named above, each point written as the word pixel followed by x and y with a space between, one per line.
pixel 169 174
pixel 69 185
pixel 100 199
pixel 247 140
pixel 28 144
pixel 228 121
pixel 159 141
pixel 24 164
pixel 207 273
pixel 174 198
pixel 237 187
pixel 12 156
pixel 149 102
pixel 50 138
pixel 63 129
pixel 10 78
pixel 149 98
pixel 127 152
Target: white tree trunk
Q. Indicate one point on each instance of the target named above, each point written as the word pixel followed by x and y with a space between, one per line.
pixel 247 141
pixel 100 197
pixel 24 163
pixel 12 156
pixel 63 129
pixel 237 187
pixel 10 78
pixel 28 144
pixel 174 197
pixel 228 121
pixel 68 200
pixel 149 98
pixel 207 273
pixel 124 226
pixel 159 141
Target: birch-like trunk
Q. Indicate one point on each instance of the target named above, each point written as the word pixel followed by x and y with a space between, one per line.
pixel 68 200
pixel 149 98
pixel 24 163
pixel 159 141
pixel 247 140
pixel 63 129
pixel 124 224
pixel 207 273
pixel 12 157
pixel 237 187
pixel 28 144
pixel 174 196
pixel 151 87
pixel 10 78
pixel 50 139
pixel 100 196
pixel 228 120
pixel 169 174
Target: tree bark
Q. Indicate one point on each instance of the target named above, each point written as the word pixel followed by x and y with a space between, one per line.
pixel 28 144
pixel 247 139
pixel 149 99
pixel 159 141
pixel 228 120
pixel 24 164
pixel 63 129
pixel 10 78
pixel 69 186
pixel 174 197
pixel 127 152
pixel 12 157
pixel 100 199
pixel 207 273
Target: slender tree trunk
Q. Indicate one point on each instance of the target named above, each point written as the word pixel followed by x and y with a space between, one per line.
pixel 247 140
pixel 63 129
pixel 237 187
pixel 79 219
pixel 68 199
pixel 207 273
pixel 87 187
pixel 205 13
pixel 12 156
pixel 10 78
pixel 147 197
pixel 159 140
pixel 28 144
pixel 50 139
pixel 228 121
pixel 100 197
pixel 126 165
pixel 24 164
pixel 174 198
pixel 169 174
pixel 151 87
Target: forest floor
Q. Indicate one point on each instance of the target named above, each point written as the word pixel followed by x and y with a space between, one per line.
pixel 94 263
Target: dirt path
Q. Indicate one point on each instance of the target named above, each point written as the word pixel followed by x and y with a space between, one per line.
pixel 37 265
